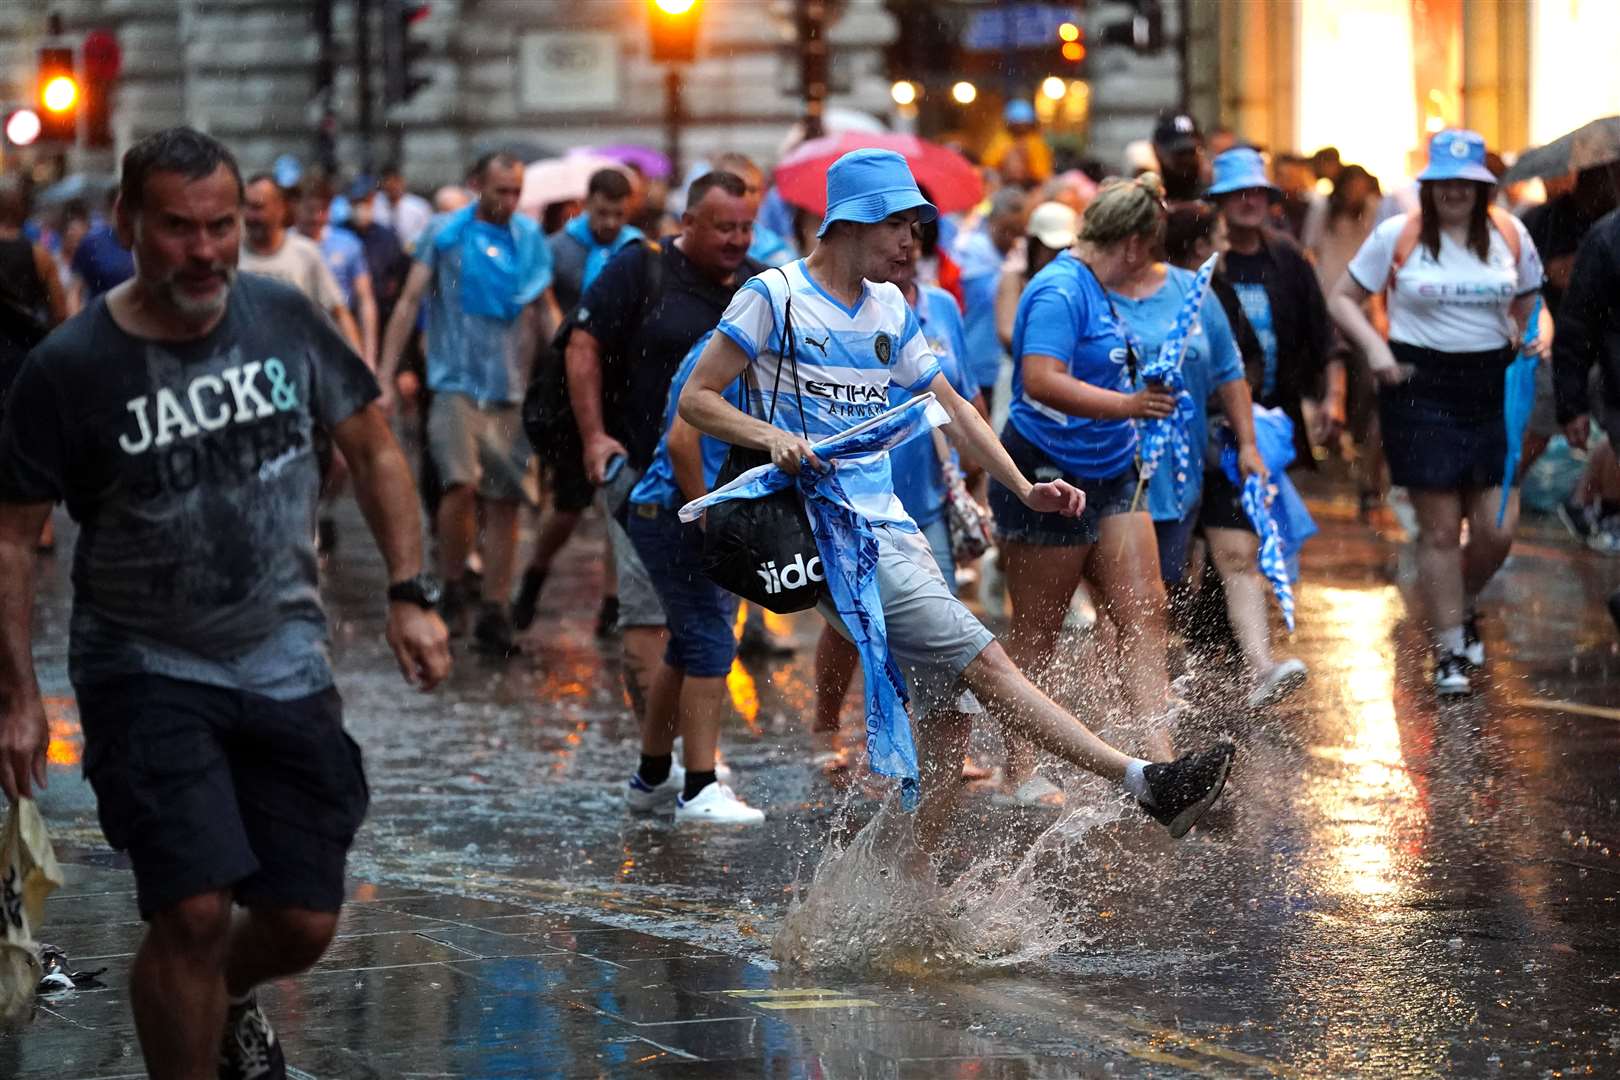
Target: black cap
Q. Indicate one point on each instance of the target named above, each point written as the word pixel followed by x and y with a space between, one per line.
pixel 1176 131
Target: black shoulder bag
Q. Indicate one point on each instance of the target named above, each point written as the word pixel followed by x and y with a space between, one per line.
pixel 763 550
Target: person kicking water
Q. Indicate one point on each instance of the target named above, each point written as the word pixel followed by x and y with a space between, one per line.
pixel 871 340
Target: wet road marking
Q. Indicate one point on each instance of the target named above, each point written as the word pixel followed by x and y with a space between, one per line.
pixel 803 998
pixel 1576 707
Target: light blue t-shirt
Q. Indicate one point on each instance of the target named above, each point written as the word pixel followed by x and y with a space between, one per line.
pixel 345 256
pixel 847 358
pixel 1256 305
pixel 915 464
pixel 1063 313
pixel 476 355
pixel 1211 360
pixel 657 485
pixel 980 263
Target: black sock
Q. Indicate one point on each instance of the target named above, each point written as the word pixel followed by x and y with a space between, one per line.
pixel 654 768
pixel 696 782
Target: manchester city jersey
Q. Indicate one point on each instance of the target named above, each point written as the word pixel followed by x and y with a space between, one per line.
pixel 846 358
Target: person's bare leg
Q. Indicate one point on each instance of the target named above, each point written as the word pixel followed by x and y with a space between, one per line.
pixel 942 743
pixel 836 661
pixel 643 655
pixel 1488 545
pixel 1439 558
pixel 1014 700
pixel 271 943
pixel 177 988
pixel 1125 566
pixel 1234 552
pixel 555 531
pixel 701 707
pixel 661 715
pixel 457 526
pixel 1041 580
pixel 500 550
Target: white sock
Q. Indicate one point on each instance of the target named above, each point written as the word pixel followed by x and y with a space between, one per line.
pixel 1136 780
pixel 1450 639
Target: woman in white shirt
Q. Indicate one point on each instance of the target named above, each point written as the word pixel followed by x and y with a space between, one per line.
pixel 1460 278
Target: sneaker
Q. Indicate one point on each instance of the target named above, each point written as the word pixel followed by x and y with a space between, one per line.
pixel 644 798
pixel 1581 521
pixel 607 617
pixel 1605 538
pixel 1451 676
pixel 716 804
pixel 250 1049
pixel 1283 678
pixel 528 598
pixel 758 643
pixel 722 771
pixel 493 633
pixel 1183 789
pixel 1473 653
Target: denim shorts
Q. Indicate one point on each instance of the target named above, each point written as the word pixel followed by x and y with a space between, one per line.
pixel 1017 523
pixel 699 613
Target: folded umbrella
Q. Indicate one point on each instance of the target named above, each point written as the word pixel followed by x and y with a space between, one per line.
pixel 1520 402
pixel 1171 432
pixel 951 181
pixel 1275 509
pixel 849 556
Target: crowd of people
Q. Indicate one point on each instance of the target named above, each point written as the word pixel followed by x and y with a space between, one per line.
pixel 197 370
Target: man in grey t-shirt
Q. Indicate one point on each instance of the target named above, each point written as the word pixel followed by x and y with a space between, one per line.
pixel 175 417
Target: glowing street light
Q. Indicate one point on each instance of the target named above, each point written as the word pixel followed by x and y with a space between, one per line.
pixel 22 127
pixel 59 94
pixel 904 93
pixel 1068 32
pixel 964 93
pixel 675 7
pixel 1054 87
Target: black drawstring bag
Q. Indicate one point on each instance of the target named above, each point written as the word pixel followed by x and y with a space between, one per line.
pixel 763 550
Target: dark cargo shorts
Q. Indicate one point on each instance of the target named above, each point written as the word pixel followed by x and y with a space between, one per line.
pixel 209 788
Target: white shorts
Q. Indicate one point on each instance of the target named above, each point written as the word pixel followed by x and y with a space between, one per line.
pixel 932 635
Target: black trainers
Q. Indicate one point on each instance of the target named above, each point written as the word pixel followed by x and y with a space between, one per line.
pixel 528 598
pixel 1182 790
pixel 607 617
pixel 1473 653
pixel 250 1049
pixel 493 634
pixel 1450 675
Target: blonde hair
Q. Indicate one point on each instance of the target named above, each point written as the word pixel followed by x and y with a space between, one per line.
pixel 1124 208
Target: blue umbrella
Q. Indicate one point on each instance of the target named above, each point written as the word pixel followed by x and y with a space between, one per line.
pixel 1171 432
pixel 1273 558
pixel 849 559
pixel 1521 399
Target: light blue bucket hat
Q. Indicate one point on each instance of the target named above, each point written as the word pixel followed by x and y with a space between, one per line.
pixel 1240 169
pixel 1457 154
pixel 869 185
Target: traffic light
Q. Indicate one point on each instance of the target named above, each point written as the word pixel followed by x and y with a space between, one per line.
pixel 402 50
pixel 22 127
pixel 1071 43
pixel 58 97
pixel 101 59
pixel 674 30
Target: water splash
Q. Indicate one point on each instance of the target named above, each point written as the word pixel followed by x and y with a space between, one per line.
pixel 876 903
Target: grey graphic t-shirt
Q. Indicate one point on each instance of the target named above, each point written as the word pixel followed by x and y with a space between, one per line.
pixel 192 471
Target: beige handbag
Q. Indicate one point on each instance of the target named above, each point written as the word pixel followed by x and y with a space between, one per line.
pixel 28 874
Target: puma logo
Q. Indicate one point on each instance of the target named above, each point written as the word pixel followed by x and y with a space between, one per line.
pixel 822 344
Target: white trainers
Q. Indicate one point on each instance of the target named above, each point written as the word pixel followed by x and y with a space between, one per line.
pixel 716 804
pixel 643 798
pixel 1283 679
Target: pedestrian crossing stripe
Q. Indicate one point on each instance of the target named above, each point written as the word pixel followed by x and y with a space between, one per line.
pixel 802 998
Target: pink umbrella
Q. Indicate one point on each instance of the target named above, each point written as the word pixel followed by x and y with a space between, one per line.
pixel 950 180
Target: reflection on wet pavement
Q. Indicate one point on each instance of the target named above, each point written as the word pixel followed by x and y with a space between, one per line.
pixel 1393 888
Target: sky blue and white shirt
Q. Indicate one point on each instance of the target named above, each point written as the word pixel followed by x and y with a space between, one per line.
pixel 918 479
pixel 847 359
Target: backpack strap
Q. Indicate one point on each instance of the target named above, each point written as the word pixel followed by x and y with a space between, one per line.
pixel 1406 241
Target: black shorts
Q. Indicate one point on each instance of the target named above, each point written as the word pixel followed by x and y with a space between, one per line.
pixel 208 788
pixel 1222 507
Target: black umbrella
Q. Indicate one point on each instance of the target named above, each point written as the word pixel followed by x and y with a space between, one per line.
pixel 1587 147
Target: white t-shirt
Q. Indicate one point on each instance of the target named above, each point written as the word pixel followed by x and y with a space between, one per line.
pixel 297 262
pixel 1455 303
pixel 847 359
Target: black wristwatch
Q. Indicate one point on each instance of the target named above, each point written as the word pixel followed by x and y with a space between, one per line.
pixel 423 590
